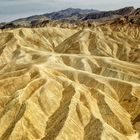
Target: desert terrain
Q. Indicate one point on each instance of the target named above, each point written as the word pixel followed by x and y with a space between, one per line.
pixel 70 83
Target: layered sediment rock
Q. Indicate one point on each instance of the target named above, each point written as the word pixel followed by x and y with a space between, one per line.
pixel 69 84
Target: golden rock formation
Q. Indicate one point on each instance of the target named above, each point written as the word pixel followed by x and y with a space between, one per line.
pixel 69 84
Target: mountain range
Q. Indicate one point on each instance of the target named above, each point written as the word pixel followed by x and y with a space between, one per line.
pixel 73 15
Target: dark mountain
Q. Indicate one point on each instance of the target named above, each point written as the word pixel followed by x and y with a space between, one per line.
pixel 136 12
pixel 29 20
pixel 70 13
pixel 72 16
pixel 2 24
pixel 103 14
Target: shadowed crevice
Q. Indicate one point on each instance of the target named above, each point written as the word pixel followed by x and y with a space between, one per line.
pixel 93 129
pixel 8 132
pixel 137 119
pixel 57 120
pixel 109 116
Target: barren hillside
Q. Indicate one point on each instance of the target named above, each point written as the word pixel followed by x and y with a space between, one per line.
pixel 70 84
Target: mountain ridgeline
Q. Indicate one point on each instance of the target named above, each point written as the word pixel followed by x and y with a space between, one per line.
pixel 73 16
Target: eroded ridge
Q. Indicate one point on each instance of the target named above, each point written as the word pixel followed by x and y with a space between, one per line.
pixel 70 84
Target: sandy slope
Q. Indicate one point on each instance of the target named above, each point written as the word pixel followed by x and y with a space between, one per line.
pixel 68 84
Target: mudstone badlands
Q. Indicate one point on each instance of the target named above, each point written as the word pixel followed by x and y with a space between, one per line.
pixel 64 82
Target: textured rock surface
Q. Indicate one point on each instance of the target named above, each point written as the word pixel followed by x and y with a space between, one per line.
pixel 64 84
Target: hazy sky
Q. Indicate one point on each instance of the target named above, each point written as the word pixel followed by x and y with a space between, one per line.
pixel 13 9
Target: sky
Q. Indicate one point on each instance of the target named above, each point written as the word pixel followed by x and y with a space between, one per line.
pixel 14 9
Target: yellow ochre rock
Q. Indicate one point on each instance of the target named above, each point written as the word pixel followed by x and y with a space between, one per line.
pixel 70 84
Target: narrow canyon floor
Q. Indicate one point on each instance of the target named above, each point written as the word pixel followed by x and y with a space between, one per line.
pixel 70 84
